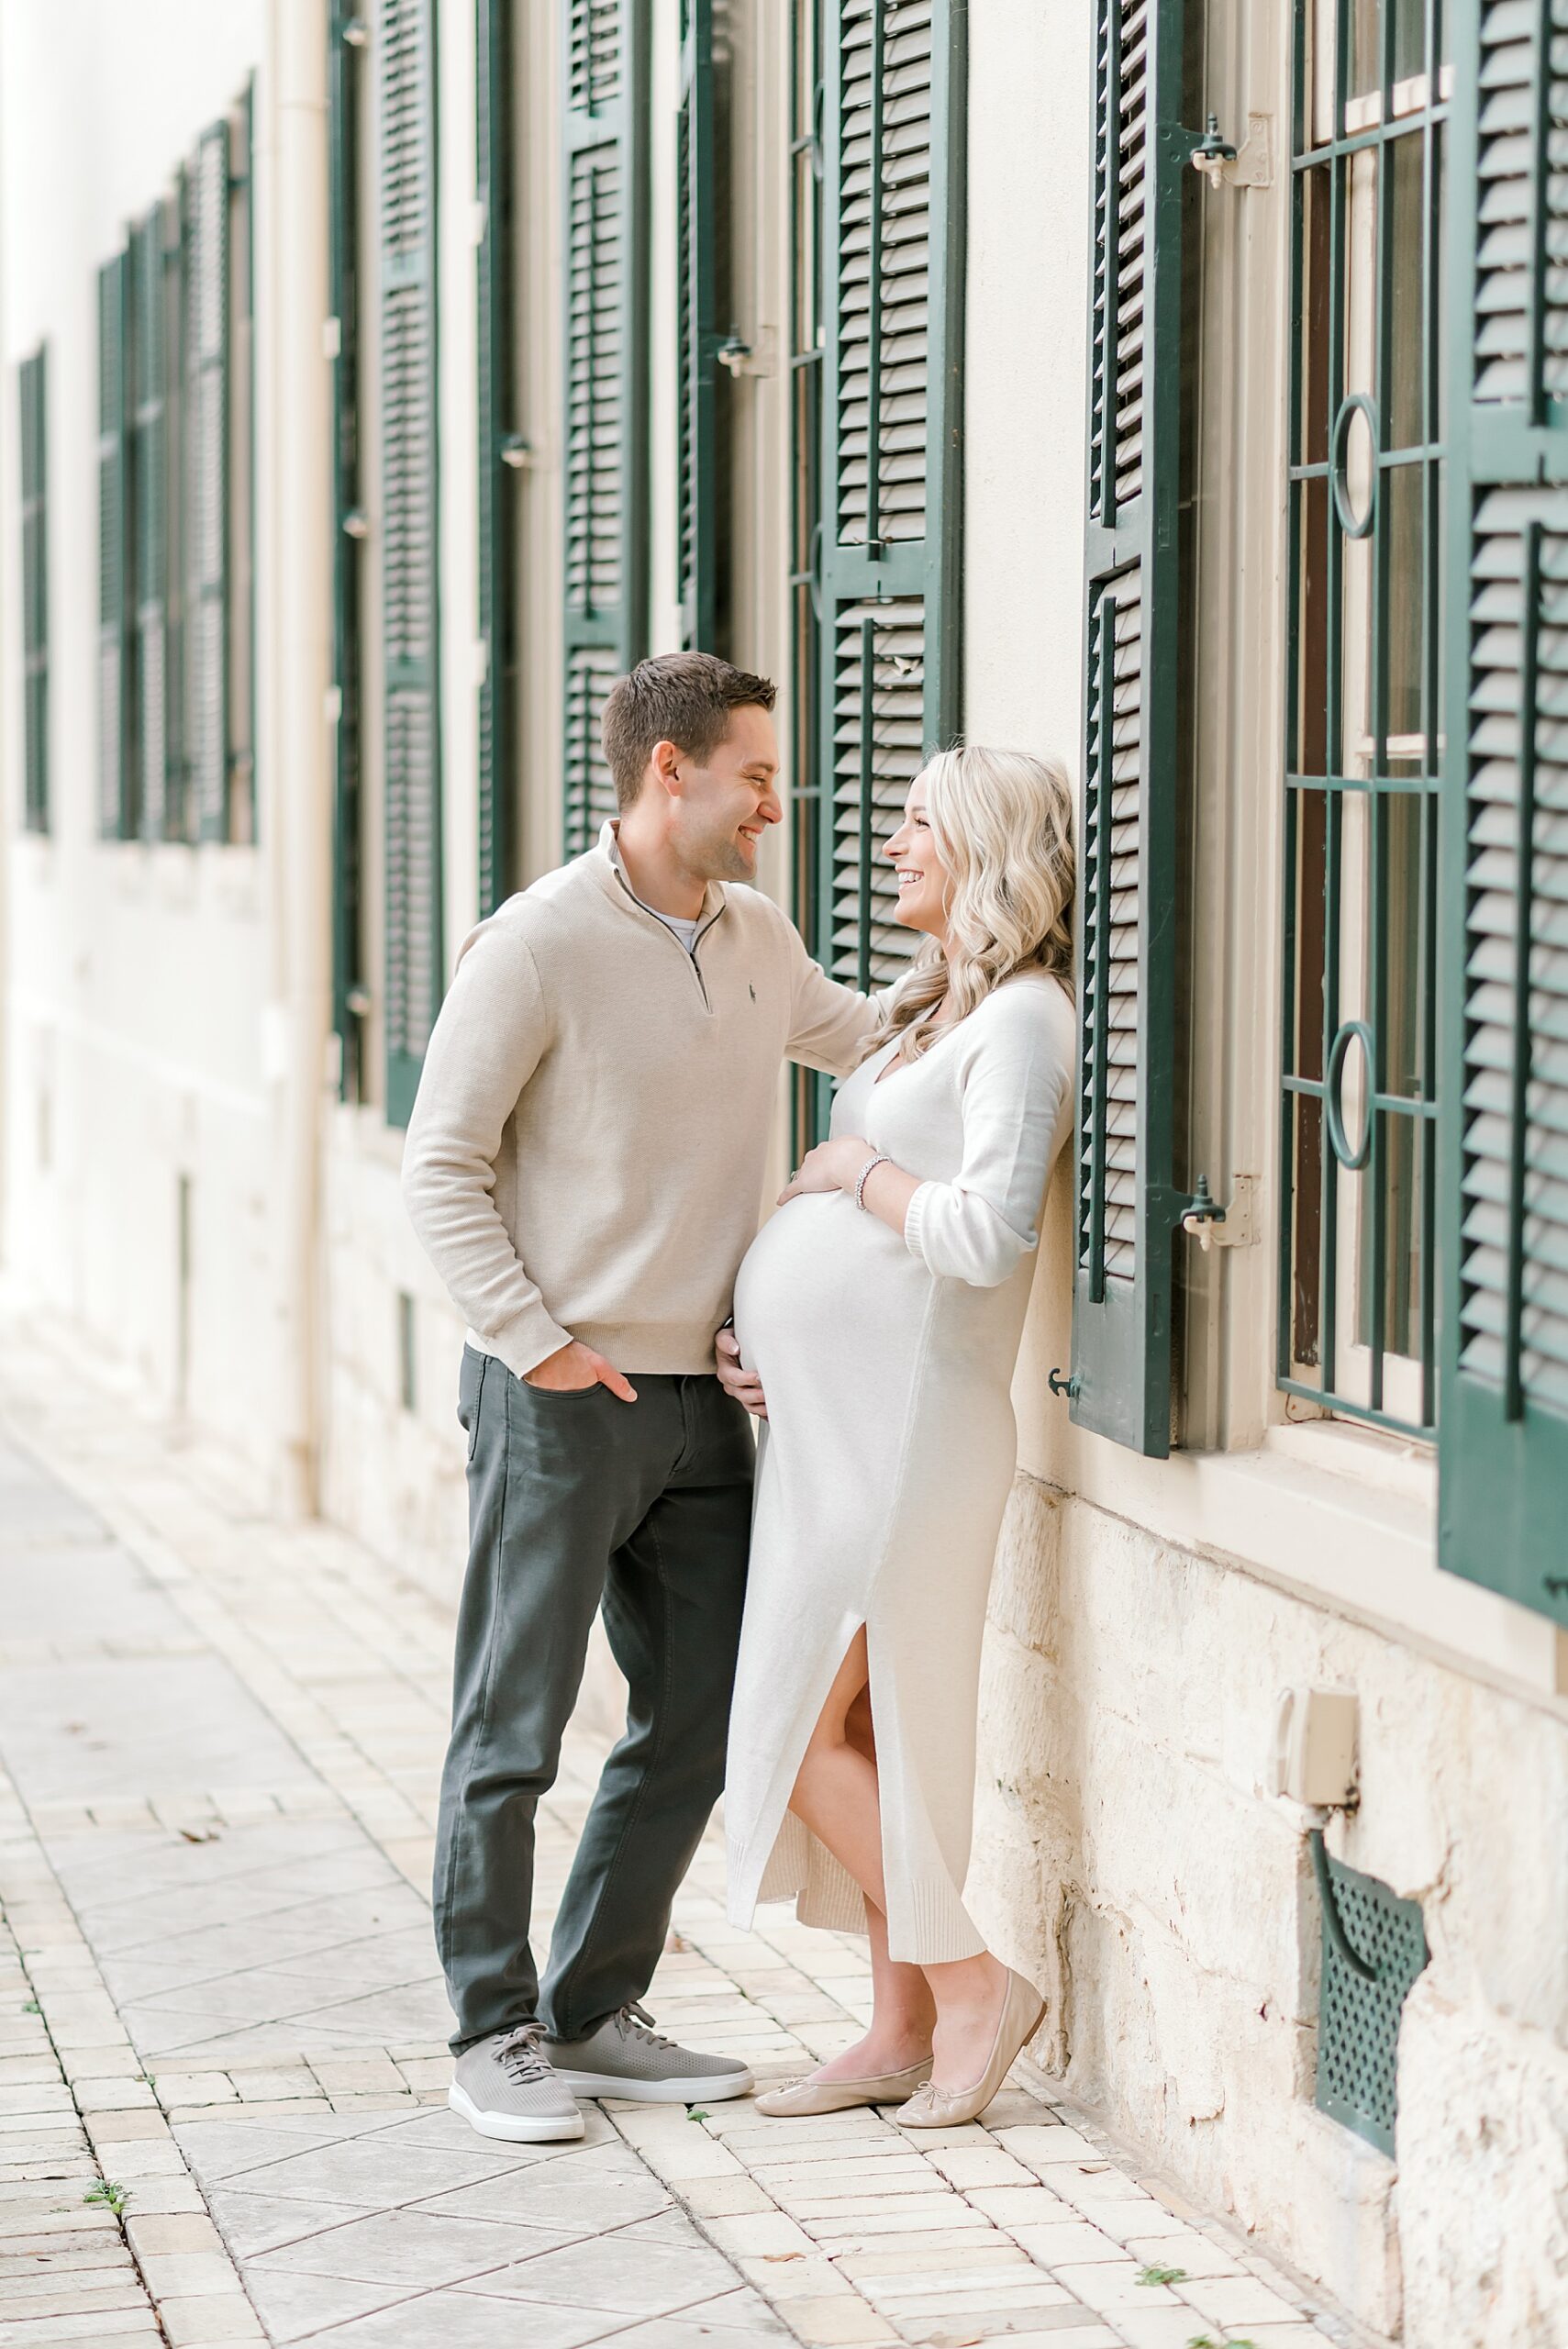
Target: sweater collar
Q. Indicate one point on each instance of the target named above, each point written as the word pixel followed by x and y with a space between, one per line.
pixel 612 875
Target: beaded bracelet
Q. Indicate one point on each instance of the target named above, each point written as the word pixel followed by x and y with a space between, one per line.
pixel 869 1169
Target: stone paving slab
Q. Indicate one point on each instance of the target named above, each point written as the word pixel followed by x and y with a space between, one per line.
pixel 226 1737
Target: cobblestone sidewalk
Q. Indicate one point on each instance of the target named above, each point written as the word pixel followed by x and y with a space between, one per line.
pixel 222 2057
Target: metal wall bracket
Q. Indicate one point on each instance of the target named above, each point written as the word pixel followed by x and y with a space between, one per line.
pixel 737 358
pixel 1213 1226
pixel 1223 166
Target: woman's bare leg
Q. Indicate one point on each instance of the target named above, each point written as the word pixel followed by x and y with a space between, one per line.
pixel 837 1795
pixel 969 1992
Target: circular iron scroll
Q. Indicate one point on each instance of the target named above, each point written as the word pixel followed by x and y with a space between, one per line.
pixel 1333 1084
pixel 1354 526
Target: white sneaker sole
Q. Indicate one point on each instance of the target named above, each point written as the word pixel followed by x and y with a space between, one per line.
pixel 513 2126
pixel 717 2089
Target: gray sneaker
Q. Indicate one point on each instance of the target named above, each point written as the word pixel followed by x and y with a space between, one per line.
pixel 505 2087
pixel 626 2056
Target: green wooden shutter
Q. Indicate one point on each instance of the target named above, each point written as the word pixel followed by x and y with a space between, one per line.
pixel 406 142
pixel 344 52
pixel 699 461
pixel 887 565
pixel 1126 1205
pixel 150 509
pixel 240 560
pixel 606 592
pixel 115 801
pixel 32 384
pixel 499 450
pixel 206 438
pixel 1503 1400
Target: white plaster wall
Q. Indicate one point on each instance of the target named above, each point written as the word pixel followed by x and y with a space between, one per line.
pixel 135 976
pixel 1025 325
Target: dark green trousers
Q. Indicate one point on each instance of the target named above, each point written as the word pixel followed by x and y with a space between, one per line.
pixel 578 1501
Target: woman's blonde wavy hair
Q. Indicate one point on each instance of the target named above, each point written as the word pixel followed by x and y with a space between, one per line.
pixel 1003 824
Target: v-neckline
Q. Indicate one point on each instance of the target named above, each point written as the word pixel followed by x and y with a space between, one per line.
pixel 903 1069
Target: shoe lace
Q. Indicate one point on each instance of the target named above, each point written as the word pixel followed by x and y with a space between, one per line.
pixel 520 2055
pixel 635 2017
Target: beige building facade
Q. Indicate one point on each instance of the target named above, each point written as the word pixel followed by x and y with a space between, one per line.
pixel 592 360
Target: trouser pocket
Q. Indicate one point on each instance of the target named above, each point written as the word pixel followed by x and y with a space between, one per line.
pixel 470 1393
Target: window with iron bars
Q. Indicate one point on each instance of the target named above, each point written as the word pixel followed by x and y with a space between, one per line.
pixel 1359 1103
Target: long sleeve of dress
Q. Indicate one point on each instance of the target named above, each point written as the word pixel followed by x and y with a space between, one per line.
pixel 1016 1077
pixel 488 1039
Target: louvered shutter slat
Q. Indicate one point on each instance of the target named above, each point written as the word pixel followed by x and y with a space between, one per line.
pixel 606 329
pixel 1503 1402
pixel 412 826
pixel 889 475
pixel 1126 1205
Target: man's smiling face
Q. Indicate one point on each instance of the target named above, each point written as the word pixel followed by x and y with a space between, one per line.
pixel 727 803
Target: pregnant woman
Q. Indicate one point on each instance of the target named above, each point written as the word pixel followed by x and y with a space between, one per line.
pixel 878 1322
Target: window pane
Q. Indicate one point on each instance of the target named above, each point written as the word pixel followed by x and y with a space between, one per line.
pixel 1311 745
pixel 1401 522
pixel 1406 186
pixel 1316 282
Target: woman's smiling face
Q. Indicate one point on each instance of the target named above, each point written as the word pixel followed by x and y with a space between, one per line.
pixel 923 879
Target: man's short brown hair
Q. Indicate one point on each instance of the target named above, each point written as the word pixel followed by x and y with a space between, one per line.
pixel 680 698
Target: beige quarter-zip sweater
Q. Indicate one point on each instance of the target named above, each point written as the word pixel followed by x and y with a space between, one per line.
pixel 586 1152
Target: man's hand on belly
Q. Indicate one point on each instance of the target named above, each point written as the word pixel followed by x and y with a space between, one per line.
pixel 574 1368
pixel 735 1378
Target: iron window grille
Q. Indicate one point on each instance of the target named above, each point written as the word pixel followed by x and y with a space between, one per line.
pixel 1359 1101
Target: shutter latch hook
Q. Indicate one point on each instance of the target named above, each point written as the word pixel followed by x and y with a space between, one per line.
pixel 1202 1211
pixel 1212 153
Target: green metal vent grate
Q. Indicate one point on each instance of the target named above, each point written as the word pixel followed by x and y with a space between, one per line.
pixel 1374 1946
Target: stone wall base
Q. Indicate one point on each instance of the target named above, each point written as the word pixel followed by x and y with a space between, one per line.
pixel 1127 1853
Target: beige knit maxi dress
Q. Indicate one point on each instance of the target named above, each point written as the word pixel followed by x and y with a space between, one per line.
pixel 886 1460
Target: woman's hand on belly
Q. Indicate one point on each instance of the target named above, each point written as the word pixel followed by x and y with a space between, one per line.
pixel 735 1378
pixel 853 1166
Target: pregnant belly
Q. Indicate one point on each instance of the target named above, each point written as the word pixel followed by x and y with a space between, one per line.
pixel 825 1280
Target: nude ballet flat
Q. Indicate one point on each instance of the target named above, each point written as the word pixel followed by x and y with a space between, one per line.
pixel 1023 2010
pixel 797 2098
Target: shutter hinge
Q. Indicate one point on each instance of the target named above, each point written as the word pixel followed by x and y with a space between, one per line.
pixel 356 32
pixel 517 452
pixel 1213 1226
pixel 1070 1386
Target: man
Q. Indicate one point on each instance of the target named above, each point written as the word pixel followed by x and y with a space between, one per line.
pixel 584 1166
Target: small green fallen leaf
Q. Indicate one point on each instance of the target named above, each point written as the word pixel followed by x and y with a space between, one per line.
pixel 695 2112
pixel 31 2007
pixel 1164 2275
